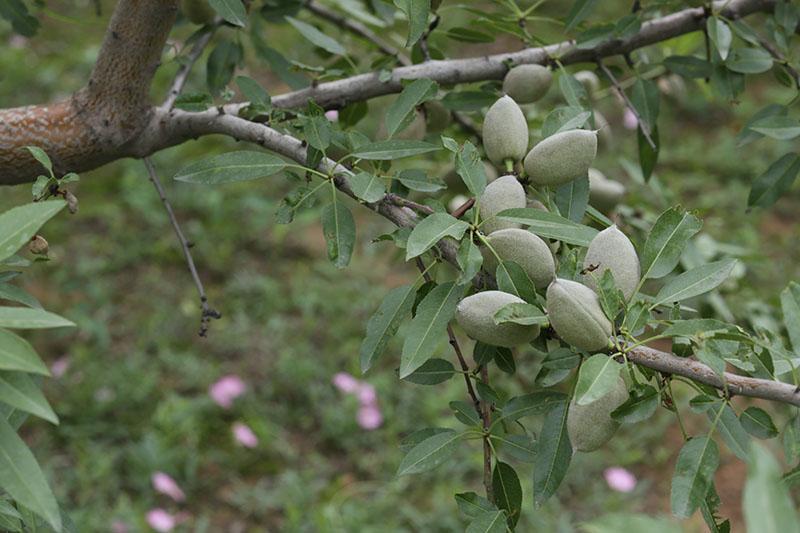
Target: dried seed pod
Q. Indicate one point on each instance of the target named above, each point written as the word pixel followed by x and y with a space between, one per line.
pixel 562 157
pixel 72 202
pixel 527 83
pixel 501 194
pixel 475 315
pixel 612 250
pixel 575 313
pixel 38 245
pixel 604 194
pixel 505 132
pixel 524 248
pixel 198 11
pixel 590 426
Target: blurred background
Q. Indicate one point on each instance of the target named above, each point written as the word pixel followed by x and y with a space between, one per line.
pixel 255 424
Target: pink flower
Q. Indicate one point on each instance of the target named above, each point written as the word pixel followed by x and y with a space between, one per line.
pixel 60 366
pixel 332 115
pixel 367 395
pixel 369 417
pixel 244 435
pixel 227 389
pixel 345 382
pixel 164 484
pixel 160 520
pixel 620 479
pixel 629 120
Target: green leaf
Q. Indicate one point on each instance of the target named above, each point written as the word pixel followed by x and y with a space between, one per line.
pixel 491 522
pixel 469 260
pixel 507 491
pixel 648 156
pixel 694 282
pixel 417 180
pixel 316 37
pixel 22 478
pixel 666 241
pixel 640 405
pixel 220 66
pixel 231 167
pixel 383 325
pixel 16 12
pixel 790 305
pixel 19 391
pixel 19 224
pixel 597 376
pixel 339 229
pixel 520 313
pixel 550 225
pixel 645 98
pixel 27 318
pixel 688 66
pixel 253 91
pixel 429 326
pixel 367 186
pixel 231 10
pixel 513 279
pixel 554 452
pixel 747 135
pixel 317 131
pixel 574 92
pixel 694 474
pixel 194 101
pixel 429 453
pixel 768 507
pixel 778 127
pixel 17 294
pixel 580 10
pixel 431 230
pixel 17 354
pixel 42 157
pixel 564 119
pixel 520 447
pixel 730 429
pixel 410 441
pixel 572 198
pixel 779 177
pixel 473 505
pixel 432 372
pixel 720 34
pixel 694 326
pixel 465 413
pixel 417 12
pixel 758 423
pixel 393 149
pixel 470 168
pixel 749 60
pixel 413 94
pixel 277 62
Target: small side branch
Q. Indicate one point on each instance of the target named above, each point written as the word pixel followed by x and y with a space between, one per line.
pixel 207 311
pixel 186 67
pixel 642 124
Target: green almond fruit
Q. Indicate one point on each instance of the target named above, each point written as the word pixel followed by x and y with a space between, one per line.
pixel 562 157
pixel 590 426
pixel 505 132
pixel 475 315
pixel 575 313
pixel 198 11
pixel 503 193
pixel 604 194
pixel 524 248
pixel 612 250
pixel 527 83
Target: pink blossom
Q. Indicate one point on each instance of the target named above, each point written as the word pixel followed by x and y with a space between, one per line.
pixel 164 484
pixel 244 435
pixel 60 366
pixel 369 417
pixel 366 394
pixel 160 520
pixel 620 479
pixel 346 382
pixel 629 120
pixel 332 115
pixel 227 389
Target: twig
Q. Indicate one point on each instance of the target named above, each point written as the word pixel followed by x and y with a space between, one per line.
pixel 194 54
pixel 769 47
pixel 642 124
pixel 423 41
pixel 463 208
pixel 487 447
pixel 405 202
pixel 208 312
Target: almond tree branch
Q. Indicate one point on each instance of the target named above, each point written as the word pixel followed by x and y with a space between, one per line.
pixel 644 126
pixel 176 88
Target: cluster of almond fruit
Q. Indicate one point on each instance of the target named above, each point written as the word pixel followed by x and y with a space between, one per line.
pixel 573 307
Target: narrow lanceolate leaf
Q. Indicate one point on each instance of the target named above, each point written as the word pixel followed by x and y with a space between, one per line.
pixel 749 60
pixel 19 224
pixel 554 452
pixel 490 522
pixel 779 177
pixel 598 375
pixel 432 372
pixel 641 405
pixel 394 149
pixel 513 279
pixel 572 198
pixel 695 282
pixel 17 354
pixel 666 241
pixel 790 305
pixel 730 429
pixel 19 391
pixel 473 505
pixel 233 166
pixel 778 127
pixel 27 318
pixel 580 10
pixel 507 491
pixel 768 507
pixel 469 259
pixel 22 478
pixel 383 325
pixel 520 447
pixel 431 230
pixel 429 326
pixel 417 12
pixel 520 313
pixel 470 168
pixel 367 186
pixel 648 155
pixel 406 103
pixel 14 293
pixel 231 10
pixel 339 229
pixel 550 225
pixel 535 403
pixel 429 453
pixel 758 423
pixel 694 473
pixel 721 35
pixel 316 37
